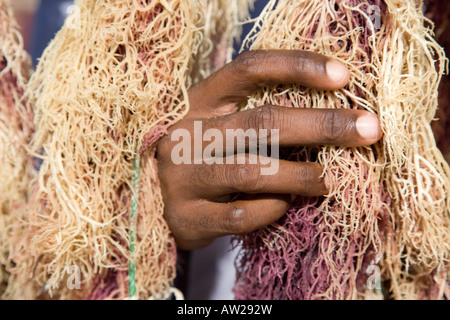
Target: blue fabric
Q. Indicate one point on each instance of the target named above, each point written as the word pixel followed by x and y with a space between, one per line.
pixel 259 6
pixel 49 20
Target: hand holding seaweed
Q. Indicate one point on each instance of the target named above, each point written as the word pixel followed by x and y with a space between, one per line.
pixel 203 205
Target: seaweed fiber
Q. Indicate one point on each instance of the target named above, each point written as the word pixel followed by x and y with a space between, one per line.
pixel 16 128
pixel 383 232
pixel 439 12
pixel 106 89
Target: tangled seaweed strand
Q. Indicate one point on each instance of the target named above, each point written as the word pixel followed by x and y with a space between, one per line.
pixel 16 128
pixel 116 74
pixel 383 232
pixel 439 12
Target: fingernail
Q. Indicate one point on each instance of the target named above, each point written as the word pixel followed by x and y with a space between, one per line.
pixel 336 71
pixel 368 127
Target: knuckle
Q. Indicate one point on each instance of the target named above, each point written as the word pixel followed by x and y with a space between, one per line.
pixel 331 127
pixel 202 175
pixel 306 60
pixel 235 221
pixel 306 175
pixel 246 63
pixel 302 63
pixel 265 118
pixel 242 177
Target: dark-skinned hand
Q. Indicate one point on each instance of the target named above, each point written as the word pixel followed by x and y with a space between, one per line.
pixel 199 204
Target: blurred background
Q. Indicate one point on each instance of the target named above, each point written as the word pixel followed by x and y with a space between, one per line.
pixel 25 11
pixel 39 21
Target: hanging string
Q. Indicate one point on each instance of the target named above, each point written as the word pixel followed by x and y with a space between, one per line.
pixel 134 212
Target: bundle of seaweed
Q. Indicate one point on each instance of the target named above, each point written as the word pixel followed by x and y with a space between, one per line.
pixel 105 90
pixel 439 13
pixel 384 229
pixel 16 128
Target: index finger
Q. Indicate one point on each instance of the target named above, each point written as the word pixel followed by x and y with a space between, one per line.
pixel 255 69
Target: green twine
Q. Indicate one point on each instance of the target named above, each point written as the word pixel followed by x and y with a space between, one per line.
pixel 133 226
